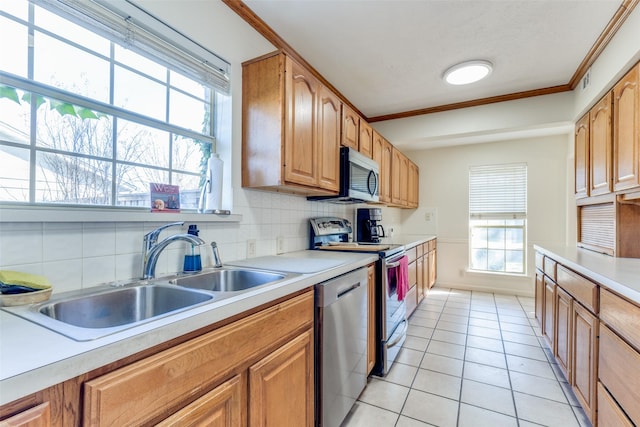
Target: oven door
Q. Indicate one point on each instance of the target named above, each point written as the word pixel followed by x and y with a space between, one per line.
pixel 394 311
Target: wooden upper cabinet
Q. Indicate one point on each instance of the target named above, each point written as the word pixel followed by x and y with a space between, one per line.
pixel 328 143
pixel 626 131
pixel 365 141
pixel 290 128
pixel 600 146
pixel 396 167
pixel 300 137
pixel 413 190
pixel 381 153
pixel 350 128
pixel 582 157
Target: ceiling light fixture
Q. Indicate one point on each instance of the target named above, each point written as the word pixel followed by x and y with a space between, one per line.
pixel 468 72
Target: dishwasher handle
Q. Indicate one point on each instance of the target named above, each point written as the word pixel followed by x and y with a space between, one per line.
pixel 349 289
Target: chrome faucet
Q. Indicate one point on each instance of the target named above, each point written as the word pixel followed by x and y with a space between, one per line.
pixel 151 248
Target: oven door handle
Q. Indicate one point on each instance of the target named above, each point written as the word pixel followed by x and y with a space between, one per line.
pixel 392 264
pixel 404 326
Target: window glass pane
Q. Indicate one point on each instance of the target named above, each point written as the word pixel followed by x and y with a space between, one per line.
pixel 64 129
pixel 189 190
pixel 188 112
pixel 139 94
pixel 69 179
pixel 19 8
pixel 188 85
pixel 496 238
pixel 514 261
pixel 63 66
pixel 140 63
pixel 479 237
pixel 142 144
pixel 75 33
pixel 479 259
pixel 132 184
pixel 14 174
pixel 189 154
pixel 16 50
pixel 495 260
pixel 514 238
pixel 15 115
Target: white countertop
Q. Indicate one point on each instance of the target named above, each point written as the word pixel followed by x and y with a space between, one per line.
pixel 621 275
pixel 33 358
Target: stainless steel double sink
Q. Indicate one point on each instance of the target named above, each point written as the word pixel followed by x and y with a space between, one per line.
pixel 103 310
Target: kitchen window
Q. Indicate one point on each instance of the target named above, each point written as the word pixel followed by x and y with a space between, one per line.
pixel 98 100
pixel 498 218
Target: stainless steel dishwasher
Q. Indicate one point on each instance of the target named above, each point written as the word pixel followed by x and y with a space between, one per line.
pixel 341 345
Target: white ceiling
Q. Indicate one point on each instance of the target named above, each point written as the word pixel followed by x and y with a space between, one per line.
pixel 388 56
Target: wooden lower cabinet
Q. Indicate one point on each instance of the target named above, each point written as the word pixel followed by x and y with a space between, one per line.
pixel 563 330
pixel 281 386
pixel 256 370
pixel 584 358
pixel 38 416
pixel 609 413
pixel 539 305
pixel 549 313
pixel 221 407
pixel 371 318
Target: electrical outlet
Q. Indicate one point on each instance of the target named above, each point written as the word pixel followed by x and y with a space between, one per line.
pixel 427 216
pixel 279 245
pixel 251 248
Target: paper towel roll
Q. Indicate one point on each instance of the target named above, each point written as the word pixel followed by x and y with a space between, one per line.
pixel 214 176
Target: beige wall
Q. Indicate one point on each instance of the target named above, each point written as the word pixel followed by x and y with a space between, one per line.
pixel 444 194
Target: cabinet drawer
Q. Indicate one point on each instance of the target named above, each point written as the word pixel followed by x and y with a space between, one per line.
pixel 621 316
pixel 411 254
pixel 619 372
pixel 609 413
pixel 413 273
pixel 432 244
pixel 583 290
pixel 539 261
pixel 550 267
pixel 411 300
pixel 419 251
pixel 155 387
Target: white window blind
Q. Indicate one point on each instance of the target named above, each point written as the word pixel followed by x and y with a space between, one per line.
pixel 139 31
pixel 498 191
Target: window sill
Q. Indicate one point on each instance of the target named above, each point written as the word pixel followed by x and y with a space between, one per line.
pixel 469 272
pixel 66 214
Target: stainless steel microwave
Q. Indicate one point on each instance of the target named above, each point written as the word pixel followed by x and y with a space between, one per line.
pixel 359 179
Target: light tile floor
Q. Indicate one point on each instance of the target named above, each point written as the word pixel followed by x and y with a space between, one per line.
pixel 471 359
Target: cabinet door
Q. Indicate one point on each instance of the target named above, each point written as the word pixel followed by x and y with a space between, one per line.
pixel 300 159
pixel 626 131
pixel 221 407
pixel 396 166
pixel 404 180
pixel 584 357
pixel 412 191
pixel 549 312
pixel 609 413
pixel 365 141
pixel 38 416
pixel 539 297
pixel 281 386
pixel 433 269
pixel 328 142
pixel 371 318
pixel 582 157
pixel 420 278
pixel 563 331
pixel 600 147
pixel 350 128
pixel 385 172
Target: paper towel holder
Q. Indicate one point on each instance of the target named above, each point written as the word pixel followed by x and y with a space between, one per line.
pixel 201 204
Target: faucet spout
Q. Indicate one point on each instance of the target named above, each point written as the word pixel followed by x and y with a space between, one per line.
pixel 153 251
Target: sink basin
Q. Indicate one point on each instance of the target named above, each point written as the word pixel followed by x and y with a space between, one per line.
pixel 228 280
pixel 122 306
pixel 95 313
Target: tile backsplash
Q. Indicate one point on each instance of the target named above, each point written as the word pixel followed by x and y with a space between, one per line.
pixel 78 255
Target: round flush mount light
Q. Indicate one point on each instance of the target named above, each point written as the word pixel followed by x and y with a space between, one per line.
pixel 468 72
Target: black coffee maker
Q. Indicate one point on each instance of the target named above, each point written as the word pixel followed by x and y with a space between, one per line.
pixel 367 228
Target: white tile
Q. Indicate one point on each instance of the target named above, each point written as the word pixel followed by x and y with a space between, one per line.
pixel 424 322
pixel 363 415
pixel 544 411
pixel 485 343
pixel 485 357
pixel 446 349
pixel 401 374
pixel 20 245
pixel 98 270
pixel 416 343
pixel 408 422
pixel 519 320
pixel 419 331
pixel 448 336
pixel 488 396
pixel 450 326
pixel 520 338
pixel 99 239
pixel 483 315
pixel 537 386
pixel 437 383
pixel 483 323
pixel 410 357
pixel 471 416
pixel 530 366
pixel 128 266
pixel 521 329
pixel 426 314
pixel 486 374
pixel 384 395
pixel 129 238
pixel 453 318
pixel 443 364
pixel 62 242
pixel 63 275
pixel 432 409
pixel 479 331
pixel 524 350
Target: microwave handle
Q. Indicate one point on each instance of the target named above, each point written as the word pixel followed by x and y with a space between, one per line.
pixel 372 174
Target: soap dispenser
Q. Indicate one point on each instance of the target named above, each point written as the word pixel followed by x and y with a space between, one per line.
pixel 192 259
